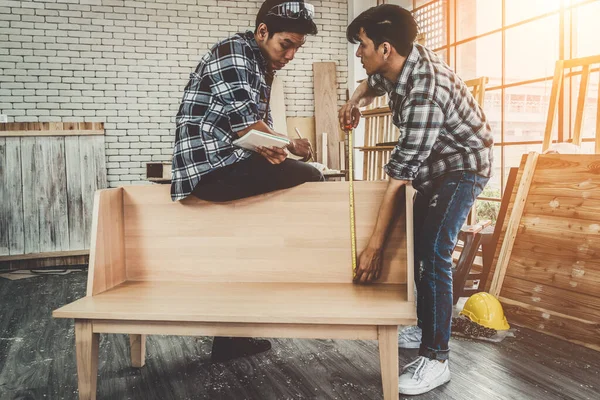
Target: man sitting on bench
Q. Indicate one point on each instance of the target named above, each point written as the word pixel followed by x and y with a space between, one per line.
pixel 226 97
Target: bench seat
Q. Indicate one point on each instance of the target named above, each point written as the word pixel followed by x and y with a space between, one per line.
pixel 305 303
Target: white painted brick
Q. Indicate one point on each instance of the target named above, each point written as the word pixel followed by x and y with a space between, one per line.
pixel 128 61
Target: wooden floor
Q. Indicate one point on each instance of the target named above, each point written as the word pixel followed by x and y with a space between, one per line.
pixel 37 361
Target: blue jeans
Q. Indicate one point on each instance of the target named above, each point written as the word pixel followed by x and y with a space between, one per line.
pixel 438 216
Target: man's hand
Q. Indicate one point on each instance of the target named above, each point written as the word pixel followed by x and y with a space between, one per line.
pixel 369 265
pixel 300 148
pixel 274 155
pixel 349 115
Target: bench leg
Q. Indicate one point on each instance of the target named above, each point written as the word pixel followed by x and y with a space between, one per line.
pixel 86 347
pixel 388 354
pixel 137 344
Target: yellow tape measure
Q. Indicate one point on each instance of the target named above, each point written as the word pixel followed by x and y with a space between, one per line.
pixel 351 180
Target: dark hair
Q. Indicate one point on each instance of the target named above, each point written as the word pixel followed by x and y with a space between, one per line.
pixel 386 23
pixel 277 24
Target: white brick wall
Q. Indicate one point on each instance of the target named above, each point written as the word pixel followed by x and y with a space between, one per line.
pixel 125 63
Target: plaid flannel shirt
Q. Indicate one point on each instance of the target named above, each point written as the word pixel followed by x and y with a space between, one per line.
pixel 442 128
pixel 226 93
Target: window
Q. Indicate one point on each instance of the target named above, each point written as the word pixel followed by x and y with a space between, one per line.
pixel 516 43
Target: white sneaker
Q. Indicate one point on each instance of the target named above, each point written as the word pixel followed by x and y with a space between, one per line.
pixel 410 337
pixel 423 375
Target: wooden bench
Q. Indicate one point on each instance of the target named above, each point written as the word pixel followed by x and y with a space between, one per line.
pixel 275 265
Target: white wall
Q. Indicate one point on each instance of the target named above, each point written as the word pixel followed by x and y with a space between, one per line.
pixel 126 63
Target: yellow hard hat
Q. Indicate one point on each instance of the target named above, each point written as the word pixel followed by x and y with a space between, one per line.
pixel 485 310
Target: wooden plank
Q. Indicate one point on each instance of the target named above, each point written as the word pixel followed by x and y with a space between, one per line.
pixel 30 162
pixel 564 301
pixel 410 243
pixel 99 158
pixel 553 104
pixel 52 254
pixel 107 250
pixel 89 171
pixel 277 105
pixel 77 236
pixel 325 92
pixel 56 222
pixel 577 331
pixel 597 147
pixel 51 133
pixel 51 128
pixel 304 331
pixel 40 263
pixel 513 224
pixel 14 187
pixel 579 62
pixel 5 210
pixel 583 86
pixel 559 206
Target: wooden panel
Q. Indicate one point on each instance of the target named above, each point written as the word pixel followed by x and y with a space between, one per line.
pixel 77 218
pixel 52 196
pixel 304 331
pixel 189 240
pixel 277 105
pixel 16 129
pixel 107 258
pixel 268 303
pixel 4 201
pixel 554 266
pixel 93 171
pixel 552 261
pixel 562 326
pixel 37 263
pixel 326 109
pixel 563 301
pixel 13 181
pixel 30 161
pixel 513 223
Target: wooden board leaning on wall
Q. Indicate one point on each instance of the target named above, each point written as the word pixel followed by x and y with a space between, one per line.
pixel 552 282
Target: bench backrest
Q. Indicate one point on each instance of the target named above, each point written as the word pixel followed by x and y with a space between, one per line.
pixel 296 235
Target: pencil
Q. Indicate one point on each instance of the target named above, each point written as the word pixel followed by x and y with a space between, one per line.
pixel 309 146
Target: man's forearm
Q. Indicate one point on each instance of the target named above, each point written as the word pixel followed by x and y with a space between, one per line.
pixel 259 126
pixel 363 95
pixel 386 213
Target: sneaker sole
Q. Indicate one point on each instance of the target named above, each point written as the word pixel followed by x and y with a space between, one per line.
pixel 433 385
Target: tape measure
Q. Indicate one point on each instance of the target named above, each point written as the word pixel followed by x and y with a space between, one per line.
pixel 351 180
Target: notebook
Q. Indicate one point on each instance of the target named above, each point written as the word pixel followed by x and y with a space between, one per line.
pixel 254 139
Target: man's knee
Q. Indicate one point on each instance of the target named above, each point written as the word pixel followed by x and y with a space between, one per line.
pixel 315 175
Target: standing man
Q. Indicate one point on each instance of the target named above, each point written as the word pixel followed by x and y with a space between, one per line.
pixel 444 149
pixel 227 96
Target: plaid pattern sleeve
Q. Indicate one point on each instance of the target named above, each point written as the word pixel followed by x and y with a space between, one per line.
pixel 422 121
pixel 231 74
pixel 442 128
pixel 226 93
